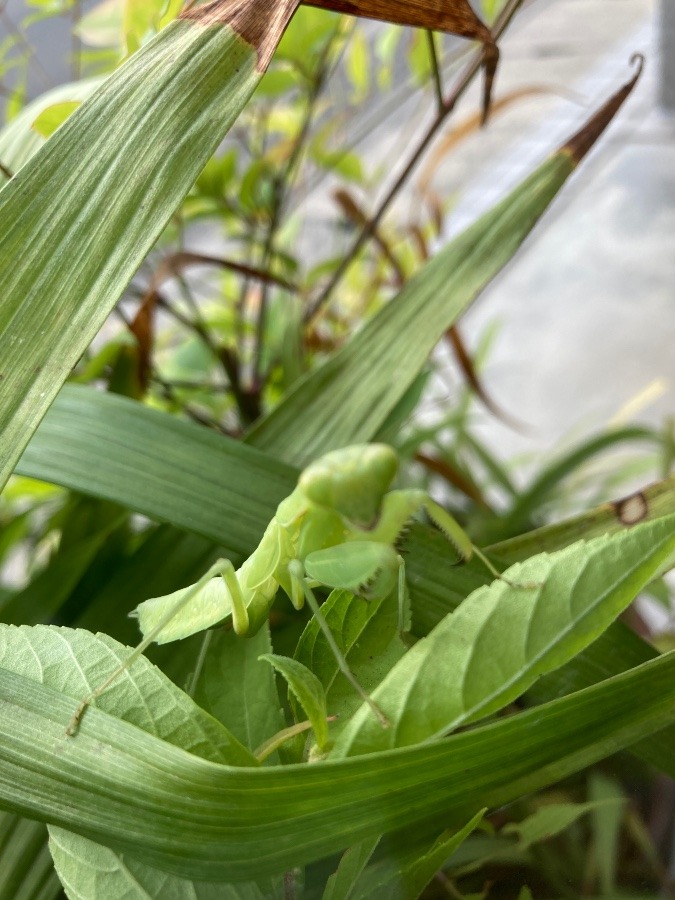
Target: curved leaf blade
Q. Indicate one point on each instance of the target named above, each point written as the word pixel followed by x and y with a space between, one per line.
pixel 118 785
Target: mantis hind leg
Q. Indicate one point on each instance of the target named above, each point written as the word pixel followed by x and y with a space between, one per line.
pixel 300 583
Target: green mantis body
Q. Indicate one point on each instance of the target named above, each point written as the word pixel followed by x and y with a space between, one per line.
pixel 339 528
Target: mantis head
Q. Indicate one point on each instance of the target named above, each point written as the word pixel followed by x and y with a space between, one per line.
pixel 352 481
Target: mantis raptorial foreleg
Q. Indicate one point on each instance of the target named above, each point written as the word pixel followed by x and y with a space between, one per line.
pixel 339 528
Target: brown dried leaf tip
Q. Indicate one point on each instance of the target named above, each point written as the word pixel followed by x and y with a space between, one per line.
pixel 260 23
pixel 583 140
pixel 454 16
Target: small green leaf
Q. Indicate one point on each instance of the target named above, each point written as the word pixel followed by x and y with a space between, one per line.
pixel 550 820
pixel 54 116
pixel 367 633
pixel 341 884
pixel 357 65
pixel 406 879
pixel 236 687
pixel 309 691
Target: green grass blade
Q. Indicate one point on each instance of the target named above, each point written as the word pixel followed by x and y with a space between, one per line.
pixel 80 216
pixel 348 399
pixel 118 785
pixel 26 870
pixel 538 492
pixel 650 503
pixel 166 468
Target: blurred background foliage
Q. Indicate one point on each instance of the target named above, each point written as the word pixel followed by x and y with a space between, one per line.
pixel 275 258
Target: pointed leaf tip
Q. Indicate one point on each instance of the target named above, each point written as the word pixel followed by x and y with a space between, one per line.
pixel 583 140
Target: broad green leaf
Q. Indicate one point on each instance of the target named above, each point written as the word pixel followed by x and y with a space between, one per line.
pixel 115 783
pixel 341 883
pixel 406 879
pixel 53 117
pixel 367 633
pixel 232 491
pixel 107 183
pixel 308 690
pixel 89 871
pixel 503 637
pixel 238 688
pixel 76 662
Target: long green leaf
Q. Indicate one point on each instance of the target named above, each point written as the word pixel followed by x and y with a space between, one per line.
pixel 19 140
pixel 348 398
pixel 120 786
pixel 502 638
pixel 158 465
pixel 26 871
pixel 80 216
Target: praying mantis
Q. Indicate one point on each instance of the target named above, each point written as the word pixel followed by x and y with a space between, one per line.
pixel 339 528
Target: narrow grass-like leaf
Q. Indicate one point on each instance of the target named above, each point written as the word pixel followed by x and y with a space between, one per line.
pixel 649 503
pixel 156 464
pixel 405 880
pixel 341 883
pixel 502 638
pixel 348 398
pixel 80 216
pixel 116 784
pixel 552 475
pixel 26 870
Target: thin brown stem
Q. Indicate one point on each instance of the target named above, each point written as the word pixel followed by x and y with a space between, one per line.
pixel 435 69
pixel 448 105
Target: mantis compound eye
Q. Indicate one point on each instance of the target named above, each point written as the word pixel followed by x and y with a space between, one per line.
pixel 352 481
